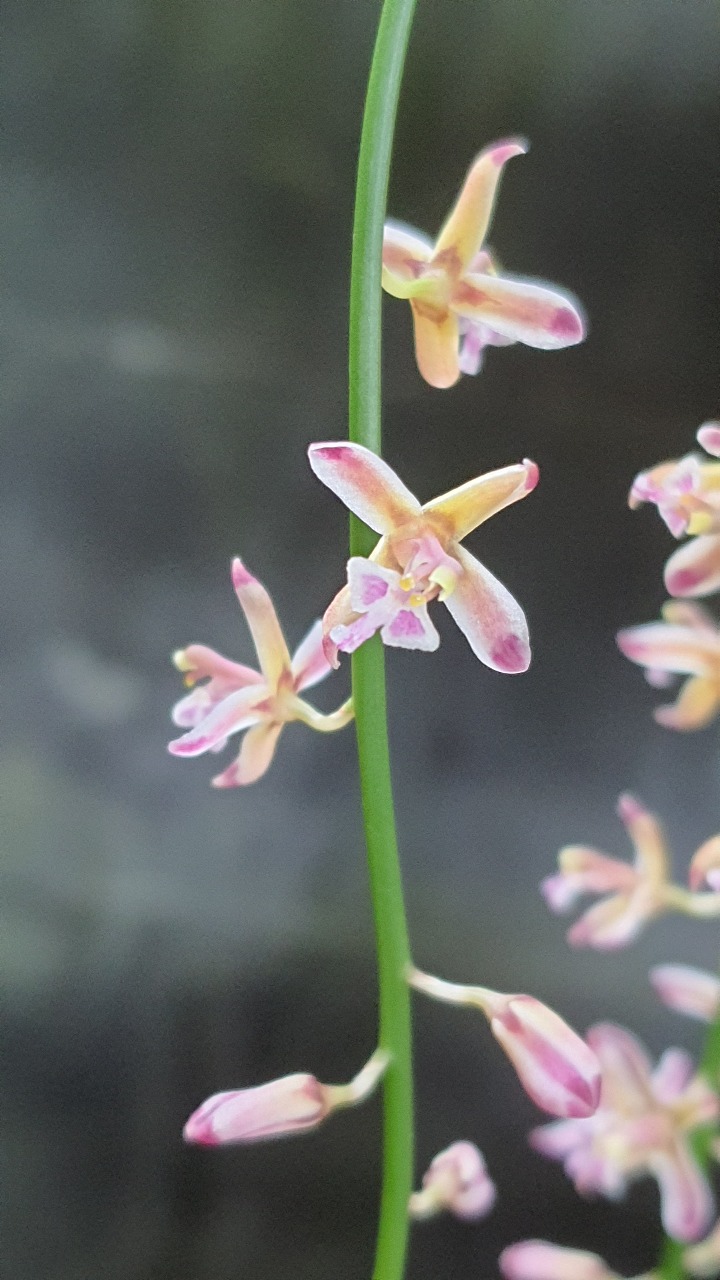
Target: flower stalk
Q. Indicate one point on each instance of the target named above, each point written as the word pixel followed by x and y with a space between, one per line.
pixel 368 664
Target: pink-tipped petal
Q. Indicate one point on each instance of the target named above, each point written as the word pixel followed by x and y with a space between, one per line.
pixel 556 1068
pixel 234 713
pixel 687 990
pixel 663 646
pixel 672 1075
pixel 704 863
pixel 255 758
pixel 198 661
pixel 405 254
pixel 463 509
pixel 709 437
pixel 489 617
pixel 646 833
pixel 612 923
pixel 599 873
pixel 686 1201
pixel 309 663
pixel 521 310
pixel 292 1104
pixel 437 344
pixel 366 484
pixel 465 228
pixel 540 1260
pixel 262 620
pixel 694 569
pixel 686 613
pixel 696 705
pixel 561 892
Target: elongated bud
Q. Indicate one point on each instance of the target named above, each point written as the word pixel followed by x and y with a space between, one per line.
pixel 540 1260
pixel 292 1104
pixel 687 990
pixel 457 1181
pixel 555 1066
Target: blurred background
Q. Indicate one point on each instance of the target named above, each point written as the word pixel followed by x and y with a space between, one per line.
pixel 175 213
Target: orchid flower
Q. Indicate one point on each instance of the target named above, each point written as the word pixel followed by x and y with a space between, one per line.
pixel 453 289
pixel 687 990
pixel 419 558
pixel 457 1181
pixel 687 495
pixel 541 1260
pixel 554 1065
pixel 237 697
pixel 292 1104
pixel 634 893
pixel 686 642
pixel 643 1125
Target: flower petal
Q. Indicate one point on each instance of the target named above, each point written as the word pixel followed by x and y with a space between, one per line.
pixel 662 646
pixel 626 1068
pixel 687 990
pixel 540 1260
pixel 290 1105
pixel 599 872
pixel 437 343
pixel 646 833
pixel 696 705
pixel 411 629
pixel 672 1075
pixel 520 309
pixel 687 1206
pixel 709 437
pixel 612 923
pixel 234 713
pixel 465 228
pixel 366 484
pixel 685 613
pixel 694 569
pixel 309 663
pixel 256 753
pixel 461 510
pixel 405 253
pixel 489 617
pixel 704 862
pixel 261 617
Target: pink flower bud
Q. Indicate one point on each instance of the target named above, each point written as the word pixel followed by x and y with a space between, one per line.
pixel 556 1068
pixel 289 1105
pixel 458 1181
pixel 540 1260
pixel 687 990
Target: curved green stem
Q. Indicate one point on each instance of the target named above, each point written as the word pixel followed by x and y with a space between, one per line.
pixel 368 664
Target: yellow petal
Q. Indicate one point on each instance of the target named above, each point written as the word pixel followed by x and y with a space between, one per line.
pixel 437 341
pixel 404 255
pixel 262 620
pixel 697 704
pixel 468 222
pixel 651 859
pixel 461 510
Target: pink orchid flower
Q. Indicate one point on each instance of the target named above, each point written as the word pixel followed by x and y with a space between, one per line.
pixel 643 1125
pixel 687 990
pixel 457 1181
pixel 236 697
pixel 419 558
pixel 452 288
pixel 686 642
pixel 292 1104
pixel 554 1065
pixel 687 495
pixel 541 1260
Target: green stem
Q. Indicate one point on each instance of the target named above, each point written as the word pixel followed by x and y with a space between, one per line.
pixel 368 664
pixel 671 1265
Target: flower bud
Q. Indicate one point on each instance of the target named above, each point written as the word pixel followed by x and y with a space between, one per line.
pixel 687 990
pixel 540 1260
pixel 555 1066
pixel 292 1104
pixel 457 1181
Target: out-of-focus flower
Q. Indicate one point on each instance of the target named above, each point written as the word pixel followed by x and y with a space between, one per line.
pixel 293 1104
pixel 687 495
pixel 453 288
pixel 705 866
pixel 643 1125
pixel 541 1260
pixel 686 642
pixel 237 697
pixel 457 1181
pixel 419 558
pixel 703 1259
pixel 687 990
pixel 555 1066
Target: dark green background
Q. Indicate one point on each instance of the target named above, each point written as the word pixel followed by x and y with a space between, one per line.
pixel 175 209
